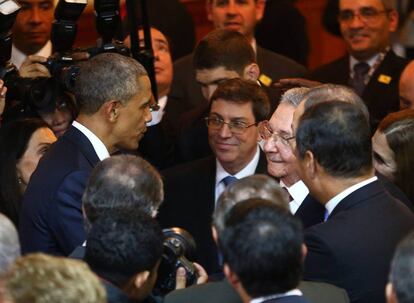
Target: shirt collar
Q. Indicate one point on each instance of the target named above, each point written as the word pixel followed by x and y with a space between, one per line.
pixel 17 56
pixel 157 115
pixel 298 192
pixel 294 292
pixel 371 62
pixel 97 144
pixel 330 206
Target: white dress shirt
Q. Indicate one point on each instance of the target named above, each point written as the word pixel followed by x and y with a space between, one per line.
pixel 221 173
pixel 294 292
pixel 17 57
pixel 330 206
pixel 157 115
pixel 298 192
pixel 97 144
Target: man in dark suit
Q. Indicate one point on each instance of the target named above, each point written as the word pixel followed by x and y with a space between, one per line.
pixel 241 16
pixel 371 67
pixel 114 96
pixel 354 247
pixel 191 189
pixel 263 252
pixel 281 160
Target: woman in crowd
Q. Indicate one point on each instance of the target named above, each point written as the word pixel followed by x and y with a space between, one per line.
pixel 22 144
pixel 393 145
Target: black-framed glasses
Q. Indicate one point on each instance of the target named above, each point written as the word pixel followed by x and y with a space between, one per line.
pixel 266 133
pixel 236 127
pixel 365 14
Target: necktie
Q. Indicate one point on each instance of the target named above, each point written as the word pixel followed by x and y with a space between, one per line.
pixel 229 180
pixel 325 215
pixel 361 69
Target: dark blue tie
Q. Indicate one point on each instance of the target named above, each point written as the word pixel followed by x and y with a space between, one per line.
pixel 361 70
pixel 229 180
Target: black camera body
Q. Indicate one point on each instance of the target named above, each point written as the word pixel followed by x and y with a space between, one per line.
pixel 179 245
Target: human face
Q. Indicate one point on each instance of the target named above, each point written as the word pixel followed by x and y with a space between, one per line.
pixel 238 15
pixel 210 78
pixel 59 120
pixel 132 117
pixel 233 152
pixel 162 60
pixel 281 161
pixel 384 158
pixel 33 24
pixel 365 39
pixel 39 143
pixel 406 89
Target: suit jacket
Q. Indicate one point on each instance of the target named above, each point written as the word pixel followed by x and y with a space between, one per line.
pixel 51 215
pixel 186 92
pixel 189 203
pixel 354 247
pixel 222 292
pixel 310 212
pixel 381 98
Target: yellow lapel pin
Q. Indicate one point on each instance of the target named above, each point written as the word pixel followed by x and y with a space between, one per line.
pixel 265 80
pixel 384 79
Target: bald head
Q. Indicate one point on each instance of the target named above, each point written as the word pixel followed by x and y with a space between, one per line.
pixel 406 87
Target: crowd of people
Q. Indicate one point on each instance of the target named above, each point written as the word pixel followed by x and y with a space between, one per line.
pixel 250 179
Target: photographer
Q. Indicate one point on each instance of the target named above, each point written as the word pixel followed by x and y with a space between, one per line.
pixel 124 249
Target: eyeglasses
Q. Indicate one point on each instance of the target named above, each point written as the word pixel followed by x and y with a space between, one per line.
pixel 236 127
pixel 365 14
pixel 267 133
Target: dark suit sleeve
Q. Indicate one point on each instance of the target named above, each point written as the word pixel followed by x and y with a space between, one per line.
pixel 67 219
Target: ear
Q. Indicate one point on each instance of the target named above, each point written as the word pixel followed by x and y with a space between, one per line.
pixel 310 164
pixel 111 110
pixel 209 8
pixel 304 252
pixel 141 278
pixel 393 20
pixel 251 72
pixel 390 293
pixel 231 276
pixel 260 7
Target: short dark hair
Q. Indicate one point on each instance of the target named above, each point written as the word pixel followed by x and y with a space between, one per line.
pixel 398 129
pixel 14 140
pixel 402 270
pixel 106 77
pixel 224 48
pixel 123 181
pixel 338 135
pixel 262 244
pixel 255 186
pixel 123 243
pixel 242 91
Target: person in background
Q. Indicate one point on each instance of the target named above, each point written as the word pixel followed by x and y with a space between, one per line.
pixel 393 147
pixel 22 144
pixel 45 279
pixel 9 244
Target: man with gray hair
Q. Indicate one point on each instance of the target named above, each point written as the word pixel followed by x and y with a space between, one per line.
pixel 277 134
pixel 120 182
pixel 9 244
pixel 114 95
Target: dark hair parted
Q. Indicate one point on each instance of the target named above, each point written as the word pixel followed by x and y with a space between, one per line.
pixel 106 77
pixel 244 91
pixel 14 140
pixel 123 243
pixel 262 244
pixel 402 270
pixel 338 135
pixel 224 48
pixel 399 131
pixel 123 181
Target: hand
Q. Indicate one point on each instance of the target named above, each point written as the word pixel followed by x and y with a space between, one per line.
pixel 3 91
pixel 32 67
pixel 288 83
pixel 181 279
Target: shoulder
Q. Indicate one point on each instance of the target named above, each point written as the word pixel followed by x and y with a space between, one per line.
pixel 285 66
pixel 196 167
pixel 323 292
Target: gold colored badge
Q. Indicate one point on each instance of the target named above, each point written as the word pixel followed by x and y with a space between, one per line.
pixel 384 79
pixel 265 80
